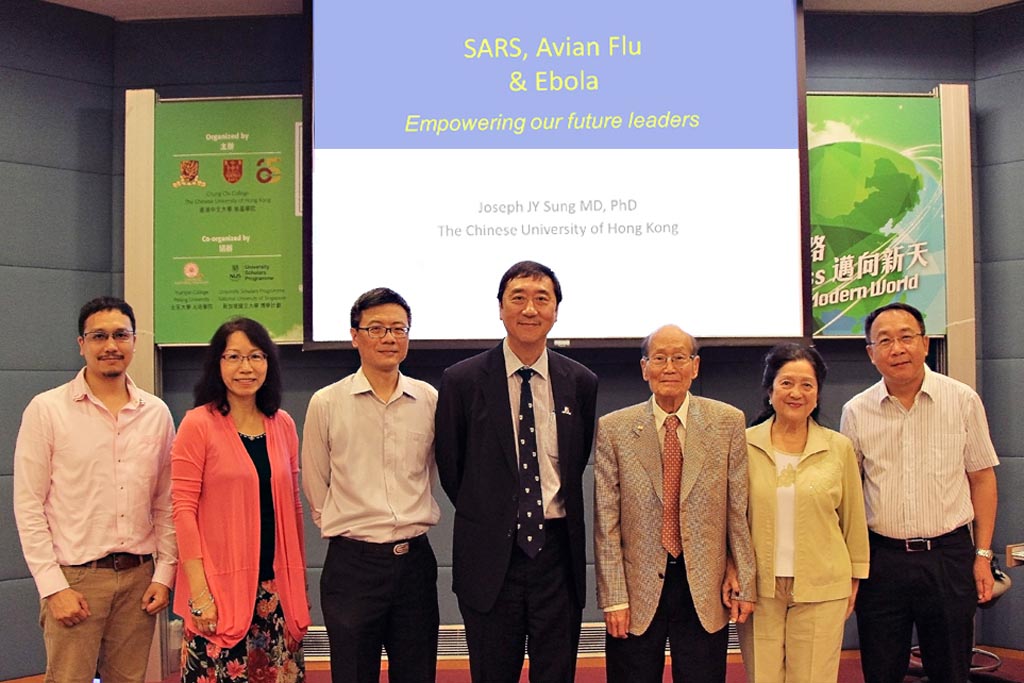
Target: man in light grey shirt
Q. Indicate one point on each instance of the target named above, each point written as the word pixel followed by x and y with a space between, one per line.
pixel 368 472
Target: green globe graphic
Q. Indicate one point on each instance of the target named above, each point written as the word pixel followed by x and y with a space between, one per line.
pixel 873 193
pixel 869 187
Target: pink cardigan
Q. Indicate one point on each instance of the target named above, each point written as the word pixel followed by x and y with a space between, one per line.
pixel 215 491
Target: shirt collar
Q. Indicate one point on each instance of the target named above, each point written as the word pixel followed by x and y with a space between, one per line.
pixel 760 436
pixel 361 385
pixel 928 387
pixel 512 362
pixel 80 390
pixel 660 415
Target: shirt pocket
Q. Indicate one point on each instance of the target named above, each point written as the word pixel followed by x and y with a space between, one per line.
pixel 417 448
pixel 946 456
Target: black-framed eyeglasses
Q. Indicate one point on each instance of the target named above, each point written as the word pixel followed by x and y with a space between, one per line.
pixel 379 331
pixel 660 360
pixel 255 358
pixel 102 336
pixel 885 343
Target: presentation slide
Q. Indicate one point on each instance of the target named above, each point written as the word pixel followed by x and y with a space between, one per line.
pixel 646 151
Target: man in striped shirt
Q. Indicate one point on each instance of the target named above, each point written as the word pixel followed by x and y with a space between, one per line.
pixel 927 460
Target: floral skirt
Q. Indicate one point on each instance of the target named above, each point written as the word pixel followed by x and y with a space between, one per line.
pixel 267 654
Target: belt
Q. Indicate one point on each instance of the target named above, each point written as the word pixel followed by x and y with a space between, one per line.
pixel 392 548
pixel 916 545
pixel 117 561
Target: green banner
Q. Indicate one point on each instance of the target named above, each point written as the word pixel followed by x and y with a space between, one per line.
pixel 877 222
pixel 227 217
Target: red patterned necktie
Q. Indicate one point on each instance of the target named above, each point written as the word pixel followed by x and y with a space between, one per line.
pixel 671 472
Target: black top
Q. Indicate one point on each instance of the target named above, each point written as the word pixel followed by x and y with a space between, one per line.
pixel 257 448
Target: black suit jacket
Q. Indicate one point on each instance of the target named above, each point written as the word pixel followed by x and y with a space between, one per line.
pixel 476 460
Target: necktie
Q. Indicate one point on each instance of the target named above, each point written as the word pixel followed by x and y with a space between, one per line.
pixel 672 470
pixel 530 533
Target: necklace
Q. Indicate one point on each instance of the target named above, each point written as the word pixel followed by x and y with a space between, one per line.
pixel 252 437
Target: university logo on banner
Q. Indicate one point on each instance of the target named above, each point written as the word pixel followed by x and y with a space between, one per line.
pixel 189 169
pixel 232 170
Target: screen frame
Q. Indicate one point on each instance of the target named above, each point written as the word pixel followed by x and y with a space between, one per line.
pixel 554 341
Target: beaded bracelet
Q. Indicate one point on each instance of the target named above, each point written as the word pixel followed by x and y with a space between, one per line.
pixel 198 611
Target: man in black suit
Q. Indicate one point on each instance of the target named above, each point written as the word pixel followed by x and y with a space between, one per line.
pixel 507 418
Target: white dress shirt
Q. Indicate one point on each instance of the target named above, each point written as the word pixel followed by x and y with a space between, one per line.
pixel 368 466
pixel 547 432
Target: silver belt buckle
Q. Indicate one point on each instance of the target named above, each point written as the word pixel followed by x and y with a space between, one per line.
pixel 916 545
pixel 401 548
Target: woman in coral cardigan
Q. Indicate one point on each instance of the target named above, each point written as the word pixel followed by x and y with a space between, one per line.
pixel 241 585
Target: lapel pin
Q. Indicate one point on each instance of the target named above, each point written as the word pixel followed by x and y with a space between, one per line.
pixel 566 411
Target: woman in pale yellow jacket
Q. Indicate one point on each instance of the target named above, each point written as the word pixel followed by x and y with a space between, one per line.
pixel 806 514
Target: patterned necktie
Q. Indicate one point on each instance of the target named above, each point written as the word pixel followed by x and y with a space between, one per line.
pixel 530 534
pixel 671 472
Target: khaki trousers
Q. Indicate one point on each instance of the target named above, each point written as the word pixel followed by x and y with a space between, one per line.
pixel 114 641
pixel 792 642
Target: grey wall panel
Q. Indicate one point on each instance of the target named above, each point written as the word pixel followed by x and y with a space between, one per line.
pixel 447 602
pixel 1000 626
pixel 999 42
pixel 591 612
pixel 889 46
pixel 45 38
pixel 313 582
pixel 1003 382
pixel 588 510
pixel 22 652
pixel 51 121
pixel 19 388
pixel 13 566
pixel 999 118
pixel 1010 518
pixel 316 545
pixel 1001 315
pixel 226 51
pixel 442 534
pixel 47 301
pixel 116 223
pixel 1001 210
pixel 999 113
pixel 59 219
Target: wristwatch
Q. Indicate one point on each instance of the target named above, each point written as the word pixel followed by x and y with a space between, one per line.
pixel 984 552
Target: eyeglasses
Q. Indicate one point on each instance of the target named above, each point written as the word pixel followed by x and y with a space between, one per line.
pixel 885 343
pixel 660 360
pixel 255 358
pixel 102 336
pixel 379 331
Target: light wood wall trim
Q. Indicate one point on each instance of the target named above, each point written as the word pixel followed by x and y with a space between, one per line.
pixel 958 194
pixel 139 137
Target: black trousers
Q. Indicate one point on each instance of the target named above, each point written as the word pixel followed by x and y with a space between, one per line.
pixel 933 590
pixel 371 597
pixel 697 656
pixel 536 602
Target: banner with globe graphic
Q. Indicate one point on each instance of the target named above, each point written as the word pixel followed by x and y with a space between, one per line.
pixel 877 222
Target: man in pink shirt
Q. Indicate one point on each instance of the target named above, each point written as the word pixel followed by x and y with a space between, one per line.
pixel 92 499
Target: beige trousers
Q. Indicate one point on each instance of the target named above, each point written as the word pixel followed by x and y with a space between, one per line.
pixel 114 641
pixel 792 642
